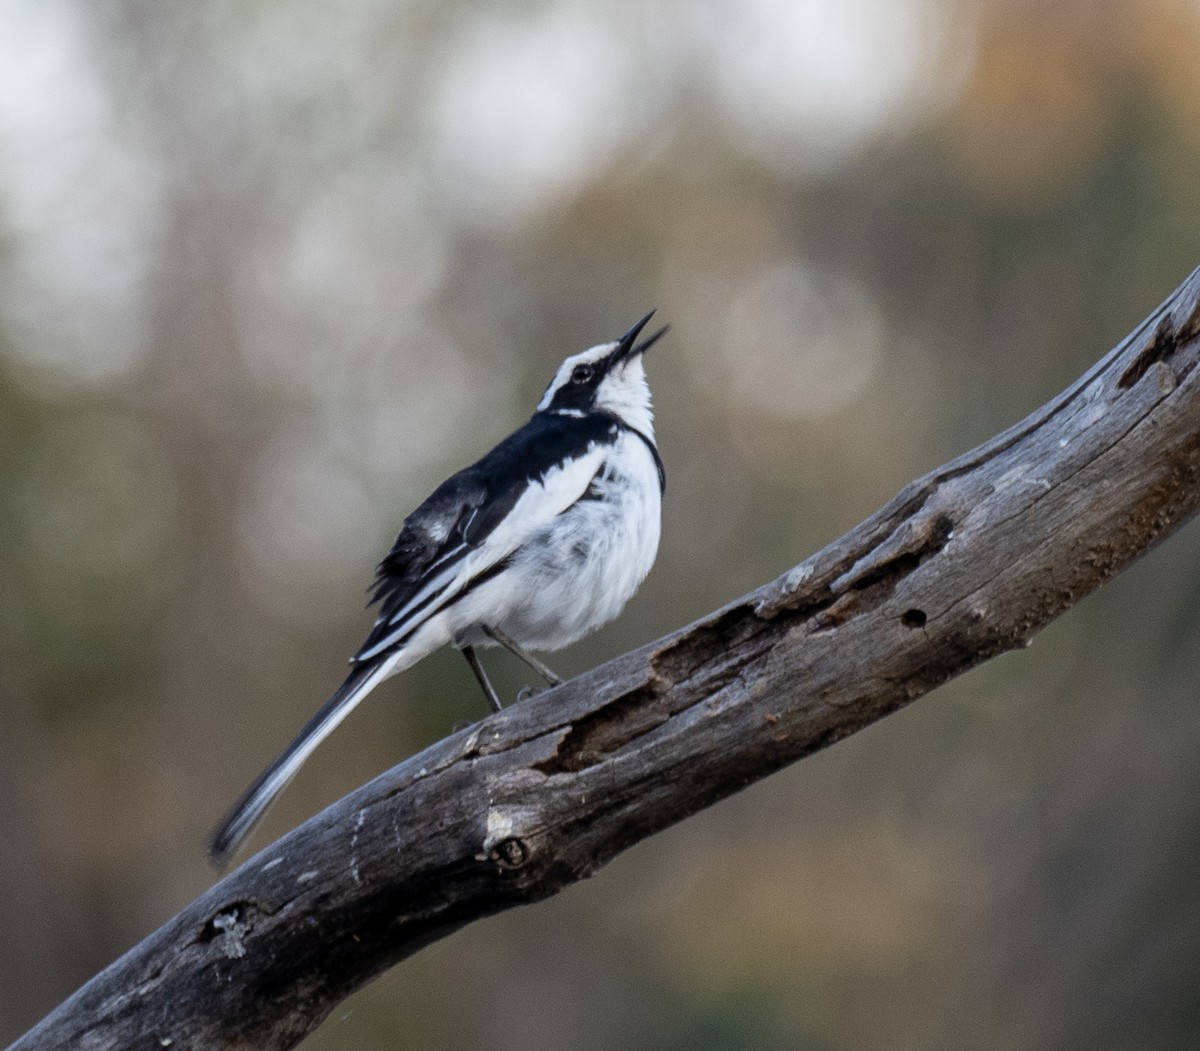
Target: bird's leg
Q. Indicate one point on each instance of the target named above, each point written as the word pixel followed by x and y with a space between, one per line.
pixel 469 653
pixel 516 651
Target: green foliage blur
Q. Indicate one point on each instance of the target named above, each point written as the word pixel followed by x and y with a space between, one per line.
pixel 269 272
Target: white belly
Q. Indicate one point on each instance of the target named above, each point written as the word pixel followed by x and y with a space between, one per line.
pixel 584 567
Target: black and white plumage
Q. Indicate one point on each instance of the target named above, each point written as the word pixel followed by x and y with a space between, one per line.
pixel 543 540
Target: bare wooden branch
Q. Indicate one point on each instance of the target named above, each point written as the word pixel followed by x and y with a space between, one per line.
pixel 965 563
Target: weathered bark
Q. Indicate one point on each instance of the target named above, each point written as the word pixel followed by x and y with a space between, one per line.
pixel 964 564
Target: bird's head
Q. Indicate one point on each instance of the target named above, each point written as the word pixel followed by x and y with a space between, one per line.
pixel 606 378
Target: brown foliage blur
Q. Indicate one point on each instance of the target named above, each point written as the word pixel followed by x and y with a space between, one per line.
pixel 268 272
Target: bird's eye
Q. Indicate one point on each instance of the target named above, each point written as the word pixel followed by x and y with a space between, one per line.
pixel 582 373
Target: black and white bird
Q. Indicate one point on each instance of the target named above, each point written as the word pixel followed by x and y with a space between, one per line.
pixel 540 542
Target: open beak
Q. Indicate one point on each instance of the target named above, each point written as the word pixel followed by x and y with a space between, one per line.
pixel 628 347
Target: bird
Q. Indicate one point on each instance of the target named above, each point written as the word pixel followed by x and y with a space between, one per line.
pixel 540 542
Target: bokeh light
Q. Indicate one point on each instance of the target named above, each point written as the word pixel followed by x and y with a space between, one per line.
pixel 268 273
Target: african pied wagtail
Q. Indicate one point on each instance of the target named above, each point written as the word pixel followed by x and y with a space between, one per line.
pixel 543 540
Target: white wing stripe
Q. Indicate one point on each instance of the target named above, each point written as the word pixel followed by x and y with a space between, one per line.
pixel 537 507
pixel 405 621
pixel 437 583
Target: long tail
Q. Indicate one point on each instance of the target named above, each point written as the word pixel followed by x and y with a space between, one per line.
pixel 257 799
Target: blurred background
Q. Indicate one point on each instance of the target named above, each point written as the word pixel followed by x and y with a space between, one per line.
pixel 270 271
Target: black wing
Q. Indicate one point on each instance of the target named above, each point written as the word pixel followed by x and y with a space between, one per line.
pixel 463 511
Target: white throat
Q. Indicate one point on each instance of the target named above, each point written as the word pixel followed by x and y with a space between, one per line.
pixel 626 394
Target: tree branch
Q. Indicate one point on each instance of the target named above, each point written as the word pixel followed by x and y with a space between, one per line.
pixel 966 563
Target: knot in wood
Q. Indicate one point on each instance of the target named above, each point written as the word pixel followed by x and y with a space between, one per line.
pixel 511 853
